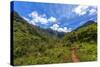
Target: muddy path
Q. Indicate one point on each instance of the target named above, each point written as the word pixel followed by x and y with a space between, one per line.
pixel 74 56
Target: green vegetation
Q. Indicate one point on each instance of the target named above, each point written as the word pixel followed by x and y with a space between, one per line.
pixel 85 40
pixel 33 45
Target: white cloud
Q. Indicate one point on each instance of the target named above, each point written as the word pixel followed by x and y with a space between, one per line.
pixel 60 29
pixel 26 19
pixel 34 14
pixel 64 29
pixel 81 10
pixel 92 11
pixel 55 26
pixel 52 19
pixel 42 20
pixel 36 18
pixel 32 22
pixel 29 21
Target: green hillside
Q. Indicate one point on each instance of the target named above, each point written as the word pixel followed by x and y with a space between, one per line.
pixel 84 39
pixel 33 45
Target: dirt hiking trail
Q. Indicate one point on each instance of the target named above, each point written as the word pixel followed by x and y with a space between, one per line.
pixel 74 57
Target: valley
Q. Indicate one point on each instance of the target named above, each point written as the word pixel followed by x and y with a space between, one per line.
pixel 34 45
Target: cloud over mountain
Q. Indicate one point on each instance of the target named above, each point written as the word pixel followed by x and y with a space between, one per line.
pixel 38 18
pixel 56 27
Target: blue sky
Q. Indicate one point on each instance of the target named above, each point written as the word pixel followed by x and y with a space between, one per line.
pixel 59 17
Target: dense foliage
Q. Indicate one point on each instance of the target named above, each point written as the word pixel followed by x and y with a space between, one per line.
pixel 33 45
